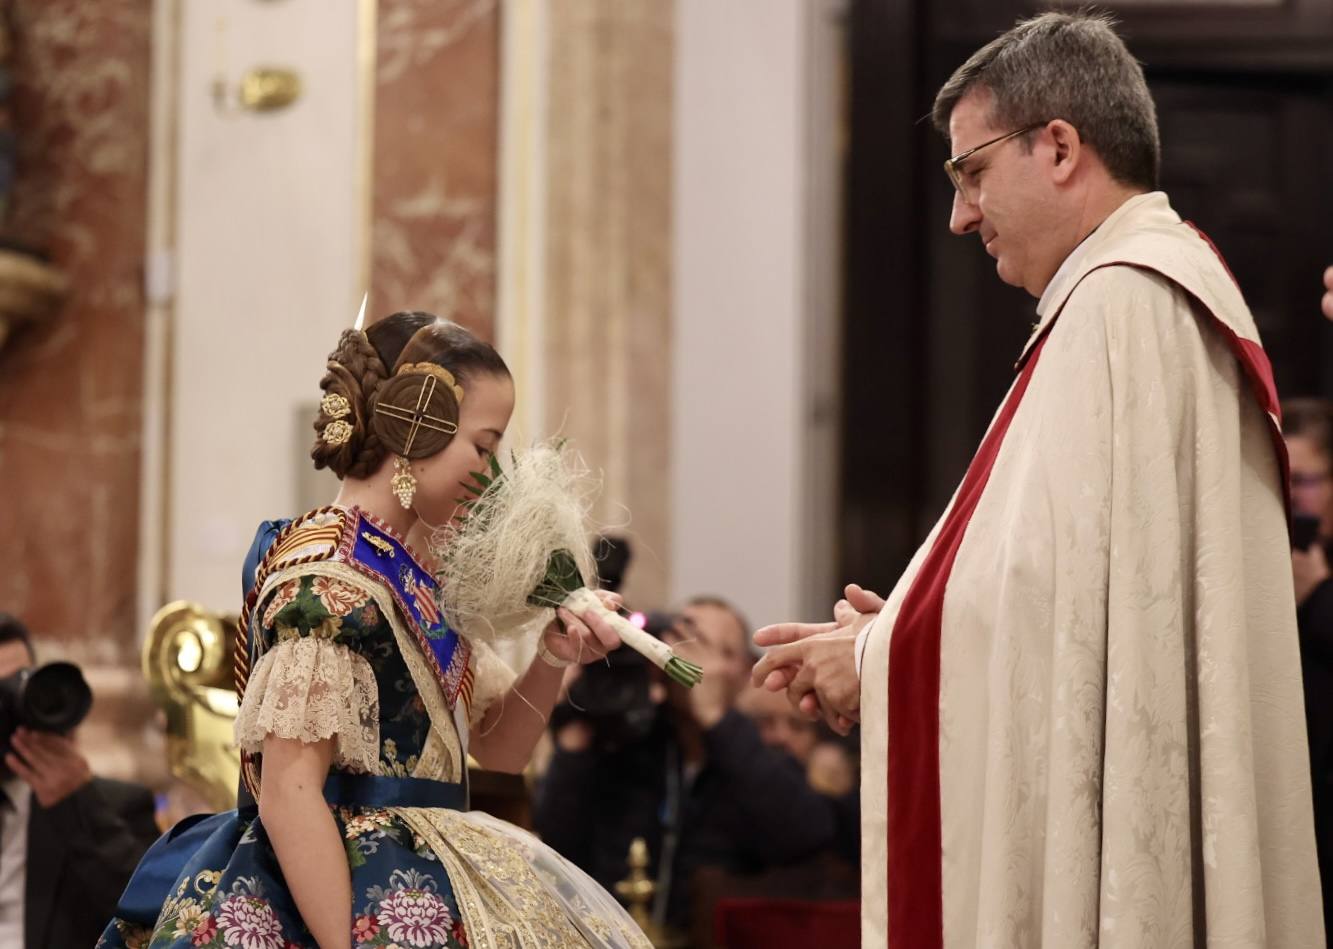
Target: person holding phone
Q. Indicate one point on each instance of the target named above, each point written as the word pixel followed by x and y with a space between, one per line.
pixel 1307 426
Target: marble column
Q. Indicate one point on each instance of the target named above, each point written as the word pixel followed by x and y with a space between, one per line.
pixel 71 385
pixel 436 107
pixel 607 310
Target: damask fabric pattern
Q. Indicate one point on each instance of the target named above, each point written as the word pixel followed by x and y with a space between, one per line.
pixel 1121 737
pixel 423 878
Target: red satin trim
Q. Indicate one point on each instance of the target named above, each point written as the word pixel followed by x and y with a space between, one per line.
pixel 915 897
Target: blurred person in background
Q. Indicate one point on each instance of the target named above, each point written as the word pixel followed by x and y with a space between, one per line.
pixel 68 840
pixel 637 756
pixel 1307 426
pixel 828 759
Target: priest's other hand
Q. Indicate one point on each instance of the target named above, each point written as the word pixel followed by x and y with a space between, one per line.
pixel 857 604
pixel 819 673
pixel 1328 293
pixel 51 765
pixel 858 607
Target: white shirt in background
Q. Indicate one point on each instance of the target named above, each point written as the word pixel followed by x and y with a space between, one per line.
pixel 15 809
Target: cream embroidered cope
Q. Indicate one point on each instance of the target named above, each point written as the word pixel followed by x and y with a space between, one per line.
pixel 310 689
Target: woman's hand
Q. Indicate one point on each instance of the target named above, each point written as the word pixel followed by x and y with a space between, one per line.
pixel 504 739
pixel 586 637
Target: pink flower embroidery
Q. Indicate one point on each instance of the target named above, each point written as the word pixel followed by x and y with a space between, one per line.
pixel 415 917
pixel 204 931
pixel 365 928
pixel 369 615
pixel 339 598
pixel 286 594
pixel 248 922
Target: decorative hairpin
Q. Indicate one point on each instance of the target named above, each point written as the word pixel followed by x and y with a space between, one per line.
pixel 438 371
pixel 335 406
pixel 336 433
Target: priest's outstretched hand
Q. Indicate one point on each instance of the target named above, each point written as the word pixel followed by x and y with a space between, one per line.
pixel 1328 293
pixel 816 662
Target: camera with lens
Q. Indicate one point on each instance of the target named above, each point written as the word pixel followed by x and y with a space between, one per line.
pixel 50 698
pixel 615 696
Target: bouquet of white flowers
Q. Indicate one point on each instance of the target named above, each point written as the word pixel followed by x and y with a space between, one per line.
pixel 522 550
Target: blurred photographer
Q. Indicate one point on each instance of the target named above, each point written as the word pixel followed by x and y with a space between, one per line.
pixel 68 840
pixel 1307 425
pixel 637 756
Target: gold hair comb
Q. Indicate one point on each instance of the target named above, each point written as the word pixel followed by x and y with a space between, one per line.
pixel 439 372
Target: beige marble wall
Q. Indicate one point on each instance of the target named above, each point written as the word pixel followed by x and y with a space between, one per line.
pixel 608 279
pixel 436 105
pixel 70 387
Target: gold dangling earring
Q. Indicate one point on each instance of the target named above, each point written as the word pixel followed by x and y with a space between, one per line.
pixel 403 484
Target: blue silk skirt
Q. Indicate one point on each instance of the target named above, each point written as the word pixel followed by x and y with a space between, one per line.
pixel 214 881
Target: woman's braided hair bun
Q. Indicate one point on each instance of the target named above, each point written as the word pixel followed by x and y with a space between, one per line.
pixel 396 363
pixel 355 372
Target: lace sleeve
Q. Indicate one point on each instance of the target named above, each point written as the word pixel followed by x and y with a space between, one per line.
pixel 310 689
pixel 491 679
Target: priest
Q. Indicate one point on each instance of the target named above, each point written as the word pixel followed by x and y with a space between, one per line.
pixel 1080 708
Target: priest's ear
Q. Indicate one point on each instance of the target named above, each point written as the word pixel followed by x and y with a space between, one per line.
pixel 1068 150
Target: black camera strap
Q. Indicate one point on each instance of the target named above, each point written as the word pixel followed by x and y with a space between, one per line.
pixel 671 811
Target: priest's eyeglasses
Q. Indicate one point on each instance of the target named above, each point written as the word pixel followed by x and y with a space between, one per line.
pixel 953 167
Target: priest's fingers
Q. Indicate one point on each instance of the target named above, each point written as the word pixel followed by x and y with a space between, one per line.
pixel 782 633
pixel 1328 297
pixel 791 654
pixel 844 614
pixel 809 704
pixel 801 693
pixel 840 723
pixel 779 679
pixel 863 600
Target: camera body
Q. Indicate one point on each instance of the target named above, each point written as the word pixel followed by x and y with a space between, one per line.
pixel 1304 531
pixel 615 696
pixel 50 698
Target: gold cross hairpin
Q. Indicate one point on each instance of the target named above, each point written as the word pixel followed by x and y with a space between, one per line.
pixel 419 417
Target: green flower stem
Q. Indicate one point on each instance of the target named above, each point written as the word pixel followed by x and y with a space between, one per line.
pixel 653 649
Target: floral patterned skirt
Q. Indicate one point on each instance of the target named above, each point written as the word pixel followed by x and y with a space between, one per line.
pixel 231 892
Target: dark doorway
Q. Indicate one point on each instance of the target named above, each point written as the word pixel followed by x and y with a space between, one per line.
pixel 1245 105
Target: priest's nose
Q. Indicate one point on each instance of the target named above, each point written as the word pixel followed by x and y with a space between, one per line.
pixel 964 218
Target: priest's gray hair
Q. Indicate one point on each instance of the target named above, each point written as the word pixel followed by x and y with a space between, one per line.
pixel 1070 66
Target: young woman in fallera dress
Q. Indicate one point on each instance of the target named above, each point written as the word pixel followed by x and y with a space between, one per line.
pixel 359 705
